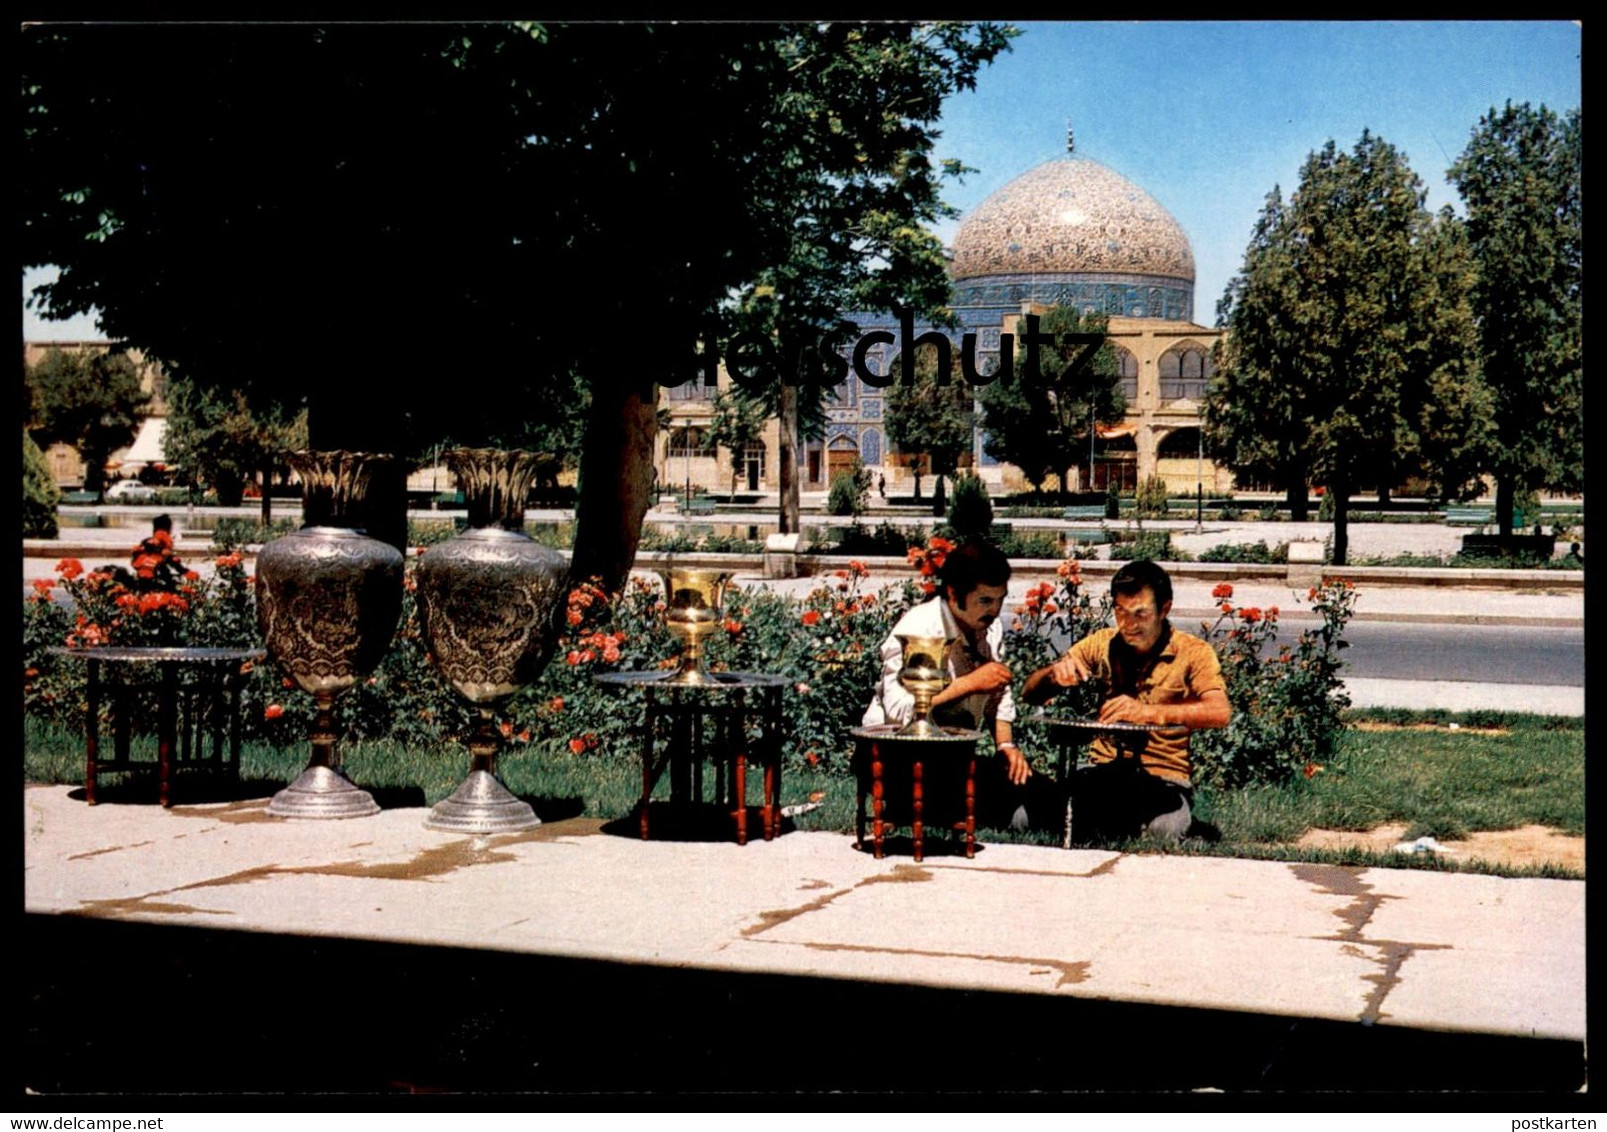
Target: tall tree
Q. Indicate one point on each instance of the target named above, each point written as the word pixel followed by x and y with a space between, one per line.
pixel 1045 424
pixel 1254 419
pixel 1520 182
pixel 853 193
pixel 930 415
pixel 469 196
pixel 92 401
pixel 222 441
pixel 1368 323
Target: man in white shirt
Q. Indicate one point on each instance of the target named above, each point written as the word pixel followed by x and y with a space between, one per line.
pixel 974 579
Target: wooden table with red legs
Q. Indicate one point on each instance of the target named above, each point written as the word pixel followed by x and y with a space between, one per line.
pixel 736 704
pixel 884 748
pixel 197 690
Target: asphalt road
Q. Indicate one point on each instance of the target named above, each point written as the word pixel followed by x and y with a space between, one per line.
pixel 1486 654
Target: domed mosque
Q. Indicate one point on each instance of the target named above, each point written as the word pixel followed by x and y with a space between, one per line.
pixel 1073 232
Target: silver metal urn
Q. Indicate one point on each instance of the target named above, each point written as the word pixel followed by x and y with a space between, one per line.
pixel 328 601
pixel 487 601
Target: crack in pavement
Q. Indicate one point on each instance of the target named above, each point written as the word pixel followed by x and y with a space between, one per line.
pixel 1345 880
pixel 426 865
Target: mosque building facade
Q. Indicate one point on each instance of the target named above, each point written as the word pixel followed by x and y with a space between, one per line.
pixel 1070 231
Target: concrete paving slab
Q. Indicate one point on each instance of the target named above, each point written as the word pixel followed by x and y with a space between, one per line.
pixel 1406 949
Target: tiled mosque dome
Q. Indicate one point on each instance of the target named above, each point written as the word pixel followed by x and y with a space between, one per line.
pixel 1071 216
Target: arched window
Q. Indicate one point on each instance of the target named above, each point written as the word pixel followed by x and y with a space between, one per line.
pixel 1185 369
pixel 690 441
pixel 1129 371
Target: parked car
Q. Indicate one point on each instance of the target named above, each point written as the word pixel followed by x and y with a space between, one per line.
pixel 130 491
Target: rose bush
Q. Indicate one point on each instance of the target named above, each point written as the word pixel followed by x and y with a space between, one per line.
pixel 825 644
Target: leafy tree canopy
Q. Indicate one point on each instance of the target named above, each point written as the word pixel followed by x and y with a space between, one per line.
pixel 1520 181
pixel 220 441
pixel 449 209
pixel 1348 352
pixel 92 401
pixel 1042 426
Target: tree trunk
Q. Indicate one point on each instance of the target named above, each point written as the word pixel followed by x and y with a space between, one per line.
pixel 1297 500
pixel 1341 494
pixel 915 468
pixel 1506 491
pixel 939 498
pixel 267 493
pixel 616 482
pixel 1383 495
pixel 787 460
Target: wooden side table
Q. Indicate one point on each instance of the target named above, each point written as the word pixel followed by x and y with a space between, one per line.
pixel 886 746
pixel 196 687
pixel 710 721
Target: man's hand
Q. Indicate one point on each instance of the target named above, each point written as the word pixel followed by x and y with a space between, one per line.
pixel 989 677
pixel 1125 709
pixel 1069 671
pixel 1018 770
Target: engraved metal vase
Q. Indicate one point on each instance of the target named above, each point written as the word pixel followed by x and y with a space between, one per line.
pixel 328 601
pixel 925 673
pixel 692 612
pixel 487 599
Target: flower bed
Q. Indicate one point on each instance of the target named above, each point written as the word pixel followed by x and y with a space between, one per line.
pixel 826 644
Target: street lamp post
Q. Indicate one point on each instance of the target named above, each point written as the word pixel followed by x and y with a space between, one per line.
pixel 1199 480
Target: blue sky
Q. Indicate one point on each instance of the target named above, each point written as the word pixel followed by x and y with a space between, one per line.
pixel 1209 116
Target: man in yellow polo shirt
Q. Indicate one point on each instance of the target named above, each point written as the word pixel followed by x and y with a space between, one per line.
pixel 1152 673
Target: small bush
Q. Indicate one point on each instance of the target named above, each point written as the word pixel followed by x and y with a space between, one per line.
pixel 1152 496
pixel 850 493
pixel 39 493
pixel 1153 545
pixel 229 532
pixel 970 510
pixel 1246 552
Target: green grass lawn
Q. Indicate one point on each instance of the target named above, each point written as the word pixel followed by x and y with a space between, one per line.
pixel 1492 772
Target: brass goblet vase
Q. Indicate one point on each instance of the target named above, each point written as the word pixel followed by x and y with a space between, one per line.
pixel 487 599
pixel 692 613
pixel 925 673
pixel 328 601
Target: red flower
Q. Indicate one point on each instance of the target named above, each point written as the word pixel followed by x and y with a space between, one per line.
pixel 69 568
pixel 524 736
pixel 732 626
pixel 573 657
pixel 1223 590
pixel 507 729
pixel 1311 770
pixel 574 617
pixel 1250 614
pixel 555 704
pixel 929 587
pixel 272 711
pixel 1272 613
pixel 811 758
pixel 44 585
pixel 1227 607
pixel 811 617
pixel 191 576
pixel 577 746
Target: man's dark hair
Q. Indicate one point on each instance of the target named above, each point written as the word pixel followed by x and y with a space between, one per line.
pixel 1142 574
pixel 162 523
pixel 973 564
